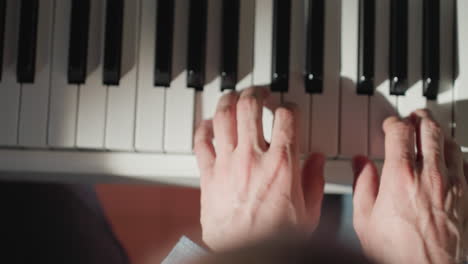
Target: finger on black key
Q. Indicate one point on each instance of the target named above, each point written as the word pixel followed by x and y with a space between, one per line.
pixel 225 123
pixel 249 117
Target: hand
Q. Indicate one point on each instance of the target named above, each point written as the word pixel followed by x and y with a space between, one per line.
pixel 417 212
pixel 249 188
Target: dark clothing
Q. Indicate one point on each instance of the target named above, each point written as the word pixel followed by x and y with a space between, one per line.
pixel 53 223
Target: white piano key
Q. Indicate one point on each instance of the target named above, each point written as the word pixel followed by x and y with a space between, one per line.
pixel 442 107
pixel 120 119
pixel 9 88
pixel 296 93
pixel 93 95
pixel 263 42
pixel 325 113
pixel 461 82
pixel 246 44
pixel 212 92
pixel 263 47
pixel 180 100
pixel 35 96
pixel 63 96
pixel 150 100
pixel 382 104
pixel 354 107
pixel 413 99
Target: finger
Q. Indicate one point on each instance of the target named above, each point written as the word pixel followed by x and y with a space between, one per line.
pixel 225 124
pixel 399 143
pixel 365 188
pixel 431 136
pixel 249 117
pixel 454 160
pixel 312 185
pixel 203 146
pixel 417 125
pixel 285 129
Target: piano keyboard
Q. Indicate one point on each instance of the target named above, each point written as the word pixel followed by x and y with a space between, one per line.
pixel 95 90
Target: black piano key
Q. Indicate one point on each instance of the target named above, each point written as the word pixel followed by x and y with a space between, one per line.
pixel 163 50
pixel 78 47
pixel 196 44
pixel 365 81
pixel 2 33
pixel 26 64
pixel 398 47
pixel 313 76
pixel 280 52
pixel 113 42
pixel 230 44
pixel 431 49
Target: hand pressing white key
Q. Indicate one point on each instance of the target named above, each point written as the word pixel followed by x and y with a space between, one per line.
pixel 250 189
pixel 417 212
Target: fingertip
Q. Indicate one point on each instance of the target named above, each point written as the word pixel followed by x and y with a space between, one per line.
pixel 316 158
pixel 264 90
pixel 358 164
pixel 314 166
pixel 423 113
pixel 290 105
pixel 365 187
pixel 286 129
pixel 389 121
pixel 259 91
pixel 362 166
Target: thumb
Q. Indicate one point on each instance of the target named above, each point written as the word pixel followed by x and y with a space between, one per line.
pixel 312 185
pixel 365 189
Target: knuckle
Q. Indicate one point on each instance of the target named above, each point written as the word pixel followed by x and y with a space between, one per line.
pixel 423 113
pixel 437 181
pixel 249 91
pixel 286 137
pixel 198 148
pixel 282 156
pixel 225 100
pixel 199 145
pixel 247 154
pixel 405 167
pixel 390 121
pixel 202 136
